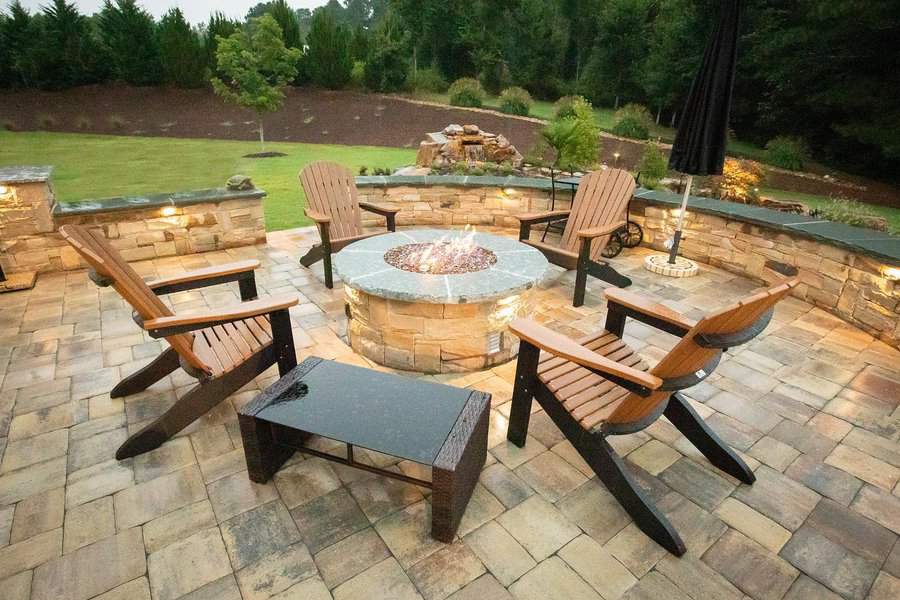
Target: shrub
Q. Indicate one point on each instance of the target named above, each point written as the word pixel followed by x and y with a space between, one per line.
pixel 82 122
pixel 386 69
pixel 357 75
pixel 574 140
pixel 117 121
pixel 468 92
pixel 787 152
pixel 653 166
pixel 515 101
pixel 633 121
pixel 428 80
pixel 851 212
pixel 569 106
pixel 739 181
pixel 45 121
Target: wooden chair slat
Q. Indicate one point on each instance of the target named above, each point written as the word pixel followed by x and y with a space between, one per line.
pixel 98 253
pixel 238 340
pixel 687 357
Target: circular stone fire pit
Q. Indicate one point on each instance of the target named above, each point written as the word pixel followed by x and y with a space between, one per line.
pixel 437 301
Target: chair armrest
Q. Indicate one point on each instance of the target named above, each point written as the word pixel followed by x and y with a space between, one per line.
pixel 544 217
pixel 595 232
pixel 318 217
pixel 204 277
pixel 378 210
pixel 567 348
pixel 638 306
pixel 165 326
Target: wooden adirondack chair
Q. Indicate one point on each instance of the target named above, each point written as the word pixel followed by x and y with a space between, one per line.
pixel 598 211
pixel 224 348
pixel 598 386
pixel 332 202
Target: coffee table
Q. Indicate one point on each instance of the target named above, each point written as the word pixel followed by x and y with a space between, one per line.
pixel 436 425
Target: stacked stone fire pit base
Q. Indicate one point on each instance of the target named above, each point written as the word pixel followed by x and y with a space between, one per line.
pixel 436 323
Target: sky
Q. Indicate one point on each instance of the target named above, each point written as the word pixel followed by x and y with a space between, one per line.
pixel 195 11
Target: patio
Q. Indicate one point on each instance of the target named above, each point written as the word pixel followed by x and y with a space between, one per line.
pixel 813 405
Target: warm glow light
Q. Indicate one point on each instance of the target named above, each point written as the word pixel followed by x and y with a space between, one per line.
pixel 169 211
pixel 3 190
pixel 509 191
pixel 891 273
pixel 505 311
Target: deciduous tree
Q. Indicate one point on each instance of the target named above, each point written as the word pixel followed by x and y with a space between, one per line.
pixel 255 67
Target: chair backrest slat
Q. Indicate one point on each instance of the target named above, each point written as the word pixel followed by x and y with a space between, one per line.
pixel 602 198
pixel 103 258
pixel 331 190
pixel 688 357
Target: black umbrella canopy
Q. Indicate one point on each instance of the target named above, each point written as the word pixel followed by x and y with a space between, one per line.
pixel 699 147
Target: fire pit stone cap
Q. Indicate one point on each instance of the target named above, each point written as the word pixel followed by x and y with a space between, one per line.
pixel 361 266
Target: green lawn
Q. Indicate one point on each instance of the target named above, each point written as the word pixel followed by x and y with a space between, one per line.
pixel 96 166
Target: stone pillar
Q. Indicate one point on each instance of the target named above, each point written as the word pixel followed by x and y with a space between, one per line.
pixel 26 205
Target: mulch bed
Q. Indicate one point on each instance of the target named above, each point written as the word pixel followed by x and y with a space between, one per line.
pixel 309 115
pixel 315 116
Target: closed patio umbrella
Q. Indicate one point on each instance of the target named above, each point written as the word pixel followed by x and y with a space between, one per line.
pixel 699 147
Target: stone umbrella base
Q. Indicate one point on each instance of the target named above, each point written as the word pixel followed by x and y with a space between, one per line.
pixel 659 264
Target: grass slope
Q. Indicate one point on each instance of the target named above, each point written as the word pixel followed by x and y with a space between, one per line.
pixel 97 166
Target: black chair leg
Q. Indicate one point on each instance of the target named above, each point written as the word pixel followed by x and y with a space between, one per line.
pixel 612 471
pixel 608 274
pixel 193 405
pixel 695 429
pixel 523 392
pixel 143 378
pixel 329 277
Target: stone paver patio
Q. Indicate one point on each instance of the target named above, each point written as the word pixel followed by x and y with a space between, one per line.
pixel 812 405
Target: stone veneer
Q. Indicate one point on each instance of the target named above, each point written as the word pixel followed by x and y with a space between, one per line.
pixel 848 271
pixel 436 323
pixel 140 227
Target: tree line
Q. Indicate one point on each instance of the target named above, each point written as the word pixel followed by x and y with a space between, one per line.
pixel 824 71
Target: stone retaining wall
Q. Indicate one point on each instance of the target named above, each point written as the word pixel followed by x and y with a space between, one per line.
pixel 140 227
pixel 859 286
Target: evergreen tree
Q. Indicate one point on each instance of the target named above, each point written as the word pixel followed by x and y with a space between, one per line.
pixel 359 46
pixel 286 18
pixel 181 51
pixel 675 45
pixel 21 38
pixel 387 65
pixel 129 35
pixel 328 58
pixel 614 69
pixel 256 66
pixel 219 26
pixel 68 54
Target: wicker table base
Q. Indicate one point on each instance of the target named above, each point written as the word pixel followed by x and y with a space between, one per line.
pixel 439 426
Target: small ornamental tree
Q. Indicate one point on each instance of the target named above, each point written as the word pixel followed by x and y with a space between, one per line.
pixel 254 67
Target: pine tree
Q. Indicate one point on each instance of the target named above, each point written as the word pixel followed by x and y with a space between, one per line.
pixel 219 26
pixel 21 38
pixel 286 18
pixel 181 51
pixel 129 35
pixel 68 55
pixel 328 58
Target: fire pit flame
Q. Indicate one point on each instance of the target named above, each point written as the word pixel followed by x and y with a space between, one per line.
pixel 450 254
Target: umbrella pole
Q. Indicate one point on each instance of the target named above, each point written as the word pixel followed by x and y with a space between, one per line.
pixel 676 240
